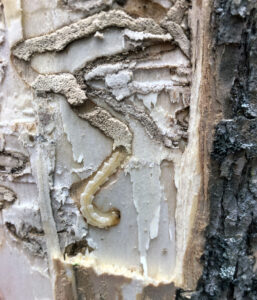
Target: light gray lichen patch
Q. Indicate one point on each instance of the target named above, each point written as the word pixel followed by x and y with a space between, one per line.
pixel 118 83
pixel 59 39
pixel 64 84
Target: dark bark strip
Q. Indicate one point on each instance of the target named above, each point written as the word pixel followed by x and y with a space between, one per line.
pixel 231 237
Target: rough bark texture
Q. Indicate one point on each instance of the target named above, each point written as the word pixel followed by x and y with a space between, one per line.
pixel 231 238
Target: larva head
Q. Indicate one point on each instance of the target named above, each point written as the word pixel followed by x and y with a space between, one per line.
pixel 100 219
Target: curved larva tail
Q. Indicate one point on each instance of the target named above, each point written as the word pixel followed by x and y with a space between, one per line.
pixel 94 215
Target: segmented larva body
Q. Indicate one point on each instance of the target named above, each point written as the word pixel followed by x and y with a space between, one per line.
pixel 93 215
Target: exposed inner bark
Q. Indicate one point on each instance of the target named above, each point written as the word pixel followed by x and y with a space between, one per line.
pixel 229 258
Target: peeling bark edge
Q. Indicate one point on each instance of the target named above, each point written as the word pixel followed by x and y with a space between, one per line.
pixel 231 236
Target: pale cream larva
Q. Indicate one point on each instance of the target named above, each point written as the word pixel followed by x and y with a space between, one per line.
pixel 93 215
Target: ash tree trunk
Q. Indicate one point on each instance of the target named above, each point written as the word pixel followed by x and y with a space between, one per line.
pixel 128 149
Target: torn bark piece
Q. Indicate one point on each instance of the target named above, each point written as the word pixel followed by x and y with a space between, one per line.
pixel 64 84
pixel 179 36
pixel 177 12
pixel 59 39
pixel 12 162
pixel 7 197
pixel 94 215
